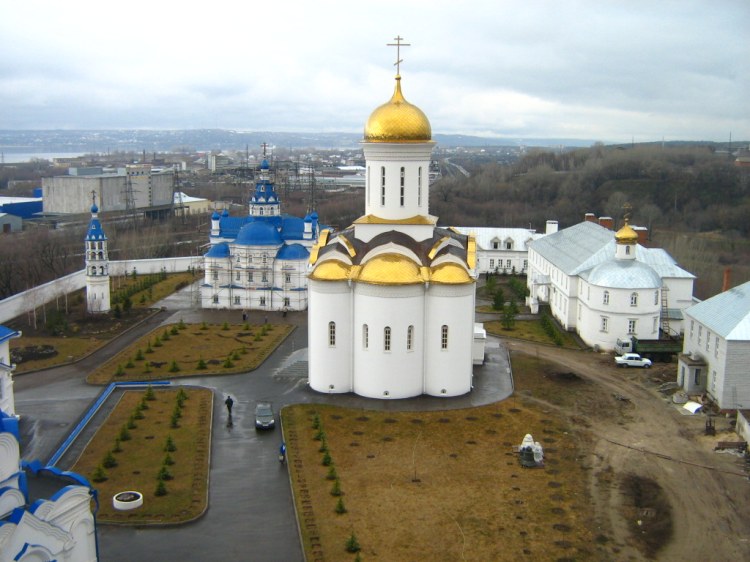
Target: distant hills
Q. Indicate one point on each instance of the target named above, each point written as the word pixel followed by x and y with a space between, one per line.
pixel 191 140
pixel 136 140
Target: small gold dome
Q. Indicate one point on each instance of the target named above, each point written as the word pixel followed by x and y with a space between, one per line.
pixel 626 235
pixel 331 270
pixel 450 274
pixel 391 269
pixel 398 121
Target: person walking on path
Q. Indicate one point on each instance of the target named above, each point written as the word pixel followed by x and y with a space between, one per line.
pixel 229 402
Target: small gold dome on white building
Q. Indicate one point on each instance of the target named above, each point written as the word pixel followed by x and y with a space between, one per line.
pixel 398 121
pixel 626 235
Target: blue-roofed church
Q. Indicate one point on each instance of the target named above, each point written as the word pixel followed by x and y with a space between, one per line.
pixel 259 261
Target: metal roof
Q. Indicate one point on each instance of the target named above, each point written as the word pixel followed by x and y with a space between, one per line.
pixel 581 247
pixel 485 236
pixel 727 314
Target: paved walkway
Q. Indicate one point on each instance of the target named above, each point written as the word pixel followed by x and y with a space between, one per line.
pixel 251 514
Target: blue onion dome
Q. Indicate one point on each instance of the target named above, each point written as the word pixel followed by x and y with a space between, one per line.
pixel 216 216
pixel 293 252
pixel 259 233
pixel 314 215
pixel 308 218
pixel 94 209
pixel 225 213
pixel 264 165
pixel 219 251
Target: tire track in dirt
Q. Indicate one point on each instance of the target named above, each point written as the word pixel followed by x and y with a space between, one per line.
pixel 710 508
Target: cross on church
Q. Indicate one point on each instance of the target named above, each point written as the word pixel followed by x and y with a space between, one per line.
pixel 93 196
pixel 398 44
pixel 264 146
pixel 627 208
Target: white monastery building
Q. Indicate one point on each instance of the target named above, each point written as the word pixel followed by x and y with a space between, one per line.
pixel 504 250
pixel 605 285
pixel 391 298
pixel 716 350
pixel 259 261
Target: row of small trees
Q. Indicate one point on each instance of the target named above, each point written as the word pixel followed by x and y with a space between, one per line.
pixel 352 544
pixel 109 461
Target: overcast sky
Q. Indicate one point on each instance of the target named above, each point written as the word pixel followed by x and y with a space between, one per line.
pixel 604 70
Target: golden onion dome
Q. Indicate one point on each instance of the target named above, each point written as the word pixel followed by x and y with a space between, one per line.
pixel 626 235
pixel 450 274
pixel 398 121
pixel 331 270
pixel 390 269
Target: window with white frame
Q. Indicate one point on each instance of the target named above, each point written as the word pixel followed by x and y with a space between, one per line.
pixel 365 336
pixel 656 325
pixel 249 276
pixel 215 275
pixel 409 338
pixel 507 264
pixel 716 346
pixel 605 324
pixel 287 302
pixel 387 338
pixel 262 301
pixel 403 178
pixel 632 326
pixel 287 278
pixel 419 187
pixel 264 277
pixel 492 264
pixel 525 264
pixel 216 299
pixel 237 276
pixel 332 334
pixel 656 296
pixel 382 185
pixel 605 297
pixel 633 299
pixel 444 337
pixel 236 299
pixel 708 341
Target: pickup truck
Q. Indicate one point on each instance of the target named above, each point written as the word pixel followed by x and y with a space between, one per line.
pixel 632 360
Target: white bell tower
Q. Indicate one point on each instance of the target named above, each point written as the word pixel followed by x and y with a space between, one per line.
pixel 97 265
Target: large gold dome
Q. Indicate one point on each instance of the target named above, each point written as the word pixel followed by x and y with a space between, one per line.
pixel 398 121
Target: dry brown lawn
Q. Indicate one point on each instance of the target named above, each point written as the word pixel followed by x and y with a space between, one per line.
pixel 440 486
pixel 143 455
pixel 223 348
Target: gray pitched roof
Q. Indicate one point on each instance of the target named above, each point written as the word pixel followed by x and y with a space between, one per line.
pixel 571 247
pixel 727 314
pixel 578 249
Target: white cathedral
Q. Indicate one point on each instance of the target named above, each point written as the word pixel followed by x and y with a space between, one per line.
pixel 391 298
pixel 259 261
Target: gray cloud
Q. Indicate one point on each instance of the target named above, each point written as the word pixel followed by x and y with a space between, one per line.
pixel 584 69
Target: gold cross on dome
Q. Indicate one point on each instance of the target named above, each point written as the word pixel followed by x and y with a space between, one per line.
pixel 398 44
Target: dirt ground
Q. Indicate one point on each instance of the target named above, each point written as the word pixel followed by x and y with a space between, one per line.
pixel 642 447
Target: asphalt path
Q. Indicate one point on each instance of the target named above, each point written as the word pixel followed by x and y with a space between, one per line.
pixel 251 512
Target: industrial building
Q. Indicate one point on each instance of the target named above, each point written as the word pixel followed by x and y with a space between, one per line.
pixel 134 187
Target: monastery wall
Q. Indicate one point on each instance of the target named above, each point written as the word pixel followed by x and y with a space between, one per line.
pixel 33 298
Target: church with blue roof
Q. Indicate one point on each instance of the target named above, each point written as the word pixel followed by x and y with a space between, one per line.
pixel 259 261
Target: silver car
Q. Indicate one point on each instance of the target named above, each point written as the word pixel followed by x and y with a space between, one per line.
pixel 264 416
